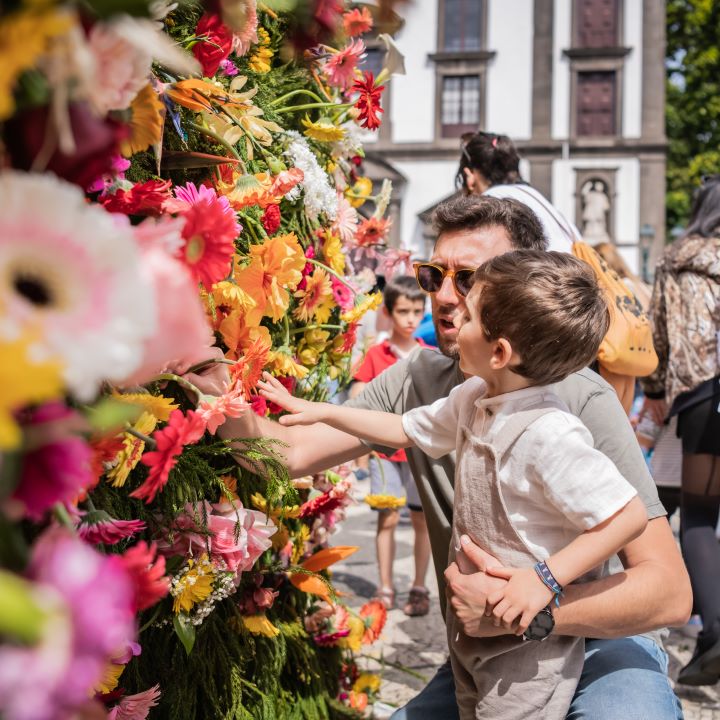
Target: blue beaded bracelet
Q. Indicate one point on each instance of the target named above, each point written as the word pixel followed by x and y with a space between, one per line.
pixel 548 579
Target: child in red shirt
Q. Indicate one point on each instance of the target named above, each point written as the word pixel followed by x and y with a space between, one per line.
pixel 404 304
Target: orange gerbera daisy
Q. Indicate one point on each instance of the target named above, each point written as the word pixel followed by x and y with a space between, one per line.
pixel 372 231
pixel 275 268
pixel 239 335
pixel 316 300
pixel 357 21
pixel 374 615
pixel 248 370
pixel 146 121
pixel 224 298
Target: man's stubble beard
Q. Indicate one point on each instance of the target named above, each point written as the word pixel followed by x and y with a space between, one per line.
pixel 449 348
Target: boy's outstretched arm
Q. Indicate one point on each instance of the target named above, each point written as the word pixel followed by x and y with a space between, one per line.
pixel 525 594
pixel 371 425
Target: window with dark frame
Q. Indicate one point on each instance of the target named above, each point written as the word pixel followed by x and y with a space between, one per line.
pixel 462 25
pixel 596 102
pixel 373 62
pixel 459 105
pixel 597 23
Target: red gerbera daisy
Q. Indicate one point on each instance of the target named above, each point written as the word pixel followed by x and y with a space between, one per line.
pixel 372 231
pixel 320 505
pixel 148 198
pixel 147 573
pixel 181 430
pixel 271 219
pixel 369 101
pixel 209 234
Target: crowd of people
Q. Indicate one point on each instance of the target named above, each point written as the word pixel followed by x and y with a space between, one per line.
pixel 522 472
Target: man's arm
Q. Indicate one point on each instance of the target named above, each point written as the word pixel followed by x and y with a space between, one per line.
pixel 652 592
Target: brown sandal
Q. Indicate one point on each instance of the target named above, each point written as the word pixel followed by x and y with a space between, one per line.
pixel 418 603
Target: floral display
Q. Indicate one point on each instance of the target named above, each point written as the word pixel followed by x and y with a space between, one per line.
pixel 181 187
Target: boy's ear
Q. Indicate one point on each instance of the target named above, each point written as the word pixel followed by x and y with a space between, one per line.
pixel 502 352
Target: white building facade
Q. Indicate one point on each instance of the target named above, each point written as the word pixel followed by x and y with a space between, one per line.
pixel 577 84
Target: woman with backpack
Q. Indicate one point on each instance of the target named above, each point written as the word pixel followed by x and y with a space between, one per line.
pixel 685 313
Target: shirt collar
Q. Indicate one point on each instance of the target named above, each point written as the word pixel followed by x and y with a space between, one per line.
pixel 517 399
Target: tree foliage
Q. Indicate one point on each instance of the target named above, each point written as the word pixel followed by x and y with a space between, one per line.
pixel 693 100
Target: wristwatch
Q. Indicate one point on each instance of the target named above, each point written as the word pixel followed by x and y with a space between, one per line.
pixel 541 625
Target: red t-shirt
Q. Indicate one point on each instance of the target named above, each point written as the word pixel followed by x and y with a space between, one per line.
pixel 378 359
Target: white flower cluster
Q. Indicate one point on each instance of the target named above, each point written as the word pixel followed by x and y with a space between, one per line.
pixel 351 144
pixel 224 587
pixel 319 196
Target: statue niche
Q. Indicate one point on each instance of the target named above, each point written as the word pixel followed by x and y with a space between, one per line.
pixel 595 211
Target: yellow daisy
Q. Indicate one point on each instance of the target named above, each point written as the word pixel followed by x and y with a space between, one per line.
pixel 367 682
pixel 370 302
pixel 353 641
pixel 194 585
pixel 146 117
pixel 132 451
pixel 263 53
pixel 23 382
pixel 323 130
pixel 282 363
pixel 333 252
pixel 24 37
pixel 110 679
pixel 156 405
pixel 316 300
pixel 260 625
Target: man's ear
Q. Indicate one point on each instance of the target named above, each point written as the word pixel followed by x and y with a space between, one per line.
pixel 469 179
pixel 502 352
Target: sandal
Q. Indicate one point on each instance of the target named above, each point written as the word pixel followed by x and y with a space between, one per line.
pixel 386 596
pixel 418 603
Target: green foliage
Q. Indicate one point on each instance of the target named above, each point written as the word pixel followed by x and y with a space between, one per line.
pixel 693 101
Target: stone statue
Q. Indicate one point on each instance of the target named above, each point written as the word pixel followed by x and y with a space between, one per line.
pixel 595 207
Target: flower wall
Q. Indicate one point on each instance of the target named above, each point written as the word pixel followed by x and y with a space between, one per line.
pixel 180 190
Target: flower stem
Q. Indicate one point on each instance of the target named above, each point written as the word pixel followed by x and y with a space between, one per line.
pixel 182 382
pixel 286 323
pixel 293 93
pixel 63 517
pixel 314 106
pixel 212 134
pixel 149 442
pixel 323 326
pixel 332 272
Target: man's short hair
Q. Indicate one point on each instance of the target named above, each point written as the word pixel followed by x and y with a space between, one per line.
pixel 550 308
pixel 473 212
pixel 402 285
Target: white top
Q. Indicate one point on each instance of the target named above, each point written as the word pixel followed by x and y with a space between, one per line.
pixel 560 232
pixel 553 481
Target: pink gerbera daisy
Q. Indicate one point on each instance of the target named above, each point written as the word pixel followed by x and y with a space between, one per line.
pixel 357 21
pixel 346 219
pixel 209 233
pixel 340 68
pixel 98 527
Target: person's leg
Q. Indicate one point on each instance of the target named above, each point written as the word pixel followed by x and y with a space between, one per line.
pixel 421 547
pixel 385 543
pixel 435 700
pixel 699 507
pixel 624 678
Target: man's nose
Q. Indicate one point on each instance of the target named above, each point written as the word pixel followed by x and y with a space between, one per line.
pixel 446 295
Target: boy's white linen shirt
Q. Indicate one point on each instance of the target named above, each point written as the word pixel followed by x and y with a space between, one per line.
pixel 553 481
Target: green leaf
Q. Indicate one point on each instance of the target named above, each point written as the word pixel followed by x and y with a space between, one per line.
pixel 185 631
pixel 109 414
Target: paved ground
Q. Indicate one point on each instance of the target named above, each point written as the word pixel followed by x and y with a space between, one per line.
pixel 418 644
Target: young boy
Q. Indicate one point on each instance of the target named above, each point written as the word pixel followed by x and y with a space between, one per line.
pixel 529 486
pixel 403 304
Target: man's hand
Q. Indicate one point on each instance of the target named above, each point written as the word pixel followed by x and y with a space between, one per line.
pixel 522 598
pixel 213 379
pixel 468 586
pixel 657 410
pixel 303 412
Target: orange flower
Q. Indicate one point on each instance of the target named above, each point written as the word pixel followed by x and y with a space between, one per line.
pixel 316 300
pixel 249 368
pixel 246 190
pixel 357 21
pixel 224 298
pixel 147 118
pixel 239 335
pixel 372 231
pixel 374 615
pixel 285 181
pixel 197 94
pixel 275 267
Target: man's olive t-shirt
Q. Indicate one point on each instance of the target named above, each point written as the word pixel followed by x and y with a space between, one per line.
pixel 427 375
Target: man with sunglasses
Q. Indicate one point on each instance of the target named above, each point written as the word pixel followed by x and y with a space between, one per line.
pixel 624 675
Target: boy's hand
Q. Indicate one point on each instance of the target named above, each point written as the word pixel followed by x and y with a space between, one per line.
pixel 524 596
pixel 303 412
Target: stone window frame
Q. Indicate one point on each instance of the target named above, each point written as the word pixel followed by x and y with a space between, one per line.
pixel 472 62
pixel 608 175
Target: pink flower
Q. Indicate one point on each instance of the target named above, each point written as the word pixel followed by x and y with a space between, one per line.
pixel 357 21
pixel 340 68
pixel 182 328
pixel 98 527
pixel 259 405
pixel 229 68
pixel 346 220
pixel 57 471
pixel 135 707
pixel 217 410
pixel 119 166
pixel 243 23
pixel 394 261
pixel 87 597
pixel 190 194
pixel 342 294
pixel 147 573
pixel 180 431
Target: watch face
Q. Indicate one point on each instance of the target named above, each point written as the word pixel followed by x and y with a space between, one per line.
pixel 541 625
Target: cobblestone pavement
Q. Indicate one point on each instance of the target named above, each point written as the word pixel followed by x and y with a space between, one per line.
pixel 418 644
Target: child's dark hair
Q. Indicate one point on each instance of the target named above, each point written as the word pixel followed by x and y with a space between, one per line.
pixel 493 155
pixel 550 308
pixel 402 285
